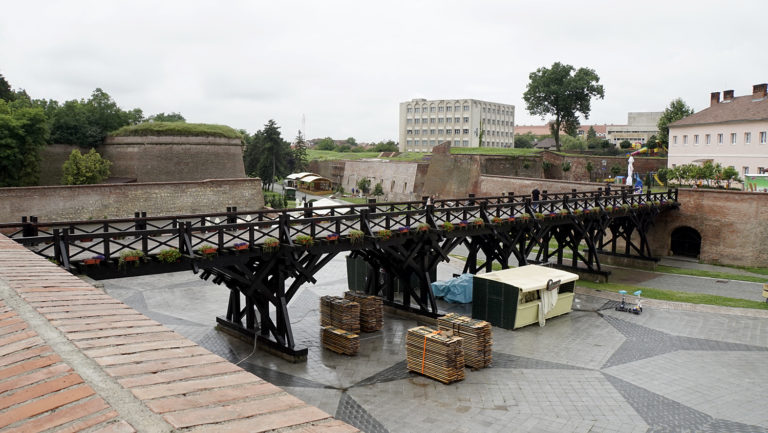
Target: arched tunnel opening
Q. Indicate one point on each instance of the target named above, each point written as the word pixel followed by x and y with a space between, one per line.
pixel 686 242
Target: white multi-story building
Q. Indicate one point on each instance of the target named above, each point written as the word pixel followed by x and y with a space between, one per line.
pixel 732 132
pixel 639 128
pixel 462 122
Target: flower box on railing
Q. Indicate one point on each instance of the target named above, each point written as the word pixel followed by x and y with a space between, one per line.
pixel 403 229
pixel 305 240
pixel 384 235
pixel 332 237
pixel 270 245
pixel 511 219
pixel 497 220
pixel 463 223
pixel 240 246
pixel 478 222
pixel 448 226
pixel 95 260
pixel 423 227
pixel 86 240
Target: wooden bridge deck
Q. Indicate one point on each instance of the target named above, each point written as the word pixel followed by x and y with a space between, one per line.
pixel 73 358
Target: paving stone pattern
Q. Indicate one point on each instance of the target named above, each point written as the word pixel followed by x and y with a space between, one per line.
pixel 594 370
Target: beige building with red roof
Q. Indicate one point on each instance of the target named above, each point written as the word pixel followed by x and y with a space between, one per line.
pixel 732 132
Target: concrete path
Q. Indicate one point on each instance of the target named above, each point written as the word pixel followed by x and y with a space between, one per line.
pixel 674 368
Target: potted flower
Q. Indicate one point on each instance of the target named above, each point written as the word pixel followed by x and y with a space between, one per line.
pixel 304 240
pixel 95 260
pixel 207 251
pixel 511 219
pixel 552 214
pixel 463 223
pixel 577 211
pixel 240 246
pixel 170 255
pixel 356 236
pixel 332 237
pixel 448 226
pixel 129 256
pixel 270 244
pixel 525 217
pixel 596 209
pixel 497 220
pixel 384 235
pixel 86 239
pixel 635 206
pixel 478 222
pixel 404 229
pixel 538 215
pixel 563 212
pixel 423 227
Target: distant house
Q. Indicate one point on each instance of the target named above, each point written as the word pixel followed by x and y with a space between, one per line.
pixel 732 132
pixel 544 130
pixel 545 144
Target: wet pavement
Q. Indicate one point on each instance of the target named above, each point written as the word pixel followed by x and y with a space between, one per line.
pixel 593 370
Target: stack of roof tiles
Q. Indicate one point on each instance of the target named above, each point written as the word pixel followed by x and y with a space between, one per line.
pixel 476 335
pixel 435 354
pixel 371 318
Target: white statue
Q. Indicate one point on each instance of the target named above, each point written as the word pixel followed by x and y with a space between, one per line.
pixel 630 169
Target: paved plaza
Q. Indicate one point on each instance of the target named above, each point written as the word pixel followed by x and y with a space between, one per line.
pixel 594 370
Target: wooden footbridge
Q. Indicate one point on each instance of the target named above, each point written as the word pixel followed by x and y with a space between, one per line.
pixel 263 257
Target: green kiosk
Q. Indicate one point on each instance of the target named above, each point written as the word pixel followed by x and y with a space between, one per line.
pixel 516 297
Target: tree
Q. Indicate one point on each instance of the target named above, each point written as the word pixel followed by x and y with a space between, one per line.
pixel 326 143
pixel 590 168
pixel 364 185
pixel 378 190
pixel 386 146
pixel 267 155
pixel 651 143
pixel 85 169
pixel 343 148
pixel 300 157
pixel 677 110
pixel 525 141
pixel 351 141
pixel 563 93
pixel 592 140
pixel 170 117
pixel 23 133
pixel 6 93
pixel 625 144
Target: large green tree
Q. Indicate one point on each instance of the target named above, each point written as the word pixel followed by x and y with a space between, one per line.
pixel 166 117
pixel 87 122
pixel 563 92
pixel 300 156
pixel 85 169
pixel 677 110
pixel 267 155
pixel 23 132
pixel 6 93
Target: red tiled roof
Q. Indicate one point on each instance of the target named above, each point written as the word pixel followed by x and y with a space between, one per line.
pixel 739 108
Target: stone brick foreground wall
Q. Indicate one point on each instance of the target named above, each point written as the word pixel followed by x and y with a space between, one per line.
pixel 56 203
pixel 733 226
pixel 495 185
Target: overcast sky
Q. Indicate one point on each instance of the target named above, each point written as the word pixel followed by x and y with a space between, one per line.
pixel 346 65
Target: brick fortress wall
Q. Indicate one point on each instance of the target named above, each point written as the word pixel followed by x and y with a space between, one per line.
pixel 82 202
pixel 733 226
pixel 156 159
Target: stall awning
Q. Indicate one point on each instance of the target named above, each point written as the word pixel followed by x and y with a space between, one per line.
pixel 529 278
pixel 298 175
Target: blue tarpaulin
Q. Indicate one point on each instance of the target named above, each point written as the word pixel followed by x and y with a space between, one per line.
pixel 458 290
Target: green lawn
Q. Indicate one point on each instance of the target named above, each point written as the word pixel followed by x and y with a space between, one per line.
pixel 710 274
pixel 330 155
pixel 671 295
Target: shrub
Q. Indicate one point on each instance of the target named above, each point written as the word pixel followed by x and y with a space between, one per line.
pixel 270 244
pixel 126 256
pixel 384 234
pixel 356 236
pixel 170 255
pixel 478 222
pixel 305 240
pixel 448 226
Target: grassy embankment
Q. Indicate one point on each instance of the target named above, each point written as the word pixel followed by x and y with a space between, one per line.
pixel 177 129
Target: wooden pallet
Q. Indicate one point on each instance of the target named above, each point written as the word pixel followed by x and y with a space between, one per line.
pixel 434 354
pixel 340 313
pixel 476 334
pixel 371 307
pixel 340 341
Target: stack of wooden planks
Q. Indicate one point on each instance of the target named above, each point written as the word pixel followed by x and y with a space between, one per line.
pixel 476 335
pixel 340 313
pixel 435 354
pixel 371 318
pixel 340 341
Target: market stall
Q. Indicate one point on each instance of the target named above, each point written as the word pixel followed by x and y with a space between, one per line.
pixel 516 297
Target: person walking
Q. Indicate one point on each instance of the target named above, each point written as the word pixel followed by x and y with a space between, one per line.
pixel 535 194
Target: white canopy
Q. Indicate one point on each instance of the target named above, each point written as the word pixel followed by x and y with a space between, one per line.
pixel 299 175
pixel 530 277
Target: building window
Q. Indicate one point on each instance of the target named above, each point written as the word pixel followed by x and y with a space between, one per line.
pixel 410 109
pixel 416 131
pixel 448 109
pixel 409 121
pixel 719 138
pixel 416 121
pixel 432 120
pixel 448 119
pixel 708 139
pixel 696 139
pixel 416 110
pixel 465 143
pixel 423 132
pixel 733 138
pixel 440 131
pixel 465 131
pixel 410 142
pixel 440 109
pixel 440 120
pixel 685 139
pixel 466 119
pixel 457 119
pixel 457 131
pixel 747 138
pixel 431 142
pixel 448 131
pixel 431 109
pixel 763 137
pixel 674 139
pixel 432 131
pixel 456 108
pixel 466 108
pixel 409 132
pixel 760 170
pixel 746 170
